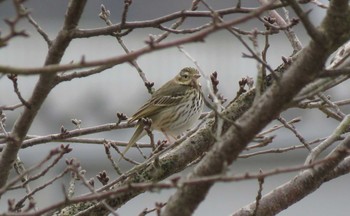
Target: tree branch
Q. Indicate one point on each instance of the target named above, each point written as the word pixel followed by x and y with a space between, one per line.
pixel 41 90
pixel 299 187
pixel 305 69
pixel 310 28
pixel 169 163
pixel 133 55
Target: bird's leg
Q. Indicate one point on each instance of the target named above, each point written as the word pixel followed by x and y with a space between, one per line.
pixel 168 137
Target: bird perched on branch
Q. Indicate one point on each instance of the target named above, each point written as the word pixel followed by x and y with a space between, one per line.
pixel 173 108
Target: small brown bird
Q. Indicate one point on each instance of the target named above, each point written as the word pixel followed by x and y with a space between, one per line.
pixel 173 108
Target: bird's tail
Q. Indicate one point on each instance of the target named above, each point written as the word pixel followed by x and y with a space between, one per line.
pixel 139 133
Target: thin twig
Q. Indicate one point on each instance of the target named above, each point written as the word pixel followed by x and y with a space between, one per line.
pixel 296 133
pixel 20 169
pixel 281 150
pixel 133 55
pixel 292 37
pixel 178 23
pixel 127 4
pixel 41 187
pixel 262 143
pixel 185 31
pixel 81 74
pixel 75 133
pixel 104 15
pixel 81 176
pixel 123 156
pixel 312 104
pixel 276 127
pixel 259 195
pixel 342 128
pixel 109 156
pixel 37 27
pixel 59 151
pixel 170 185
pixel 13 78
pixel 11 107
pixel 309 27
pixel 316 2
pixel 332 105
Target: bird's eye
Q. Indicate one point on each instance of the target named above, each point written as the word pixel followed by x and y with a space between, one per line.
pixel 185 76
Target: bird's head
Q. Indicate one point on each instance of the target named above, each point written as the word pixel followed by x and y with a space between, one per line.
pixel 188 76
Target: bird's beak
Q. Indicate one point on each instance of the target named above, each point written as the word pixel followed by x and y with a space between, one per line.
pixel 195 82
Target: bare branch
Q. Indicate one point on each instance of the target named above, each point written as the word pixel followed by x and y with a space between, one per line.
pixel 299 82
pixel 59 152
pixel 310 28
pixel 42 89
pixel 258 196
pixel 341 129
pixel 173 183
pixel 12 107
pixel 300 186
pixel 74 133
pixel 297 134
pixel 13 78
pixel 37 27
pixel 79 33
pixel 292 37
pixel 105 16
pixel 133 55
pixel 20 169
pixel 224 153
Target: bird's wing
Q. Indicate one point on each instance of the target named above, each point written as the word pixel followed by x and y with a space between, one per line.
pixel 167 95
pixel 154 105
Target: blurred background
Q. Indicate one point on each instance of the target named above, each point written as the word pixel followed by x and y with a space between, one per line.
pixel 96 99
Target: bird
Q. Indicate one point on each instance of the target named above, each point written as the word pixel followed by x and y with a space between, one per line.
pixel 173 108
